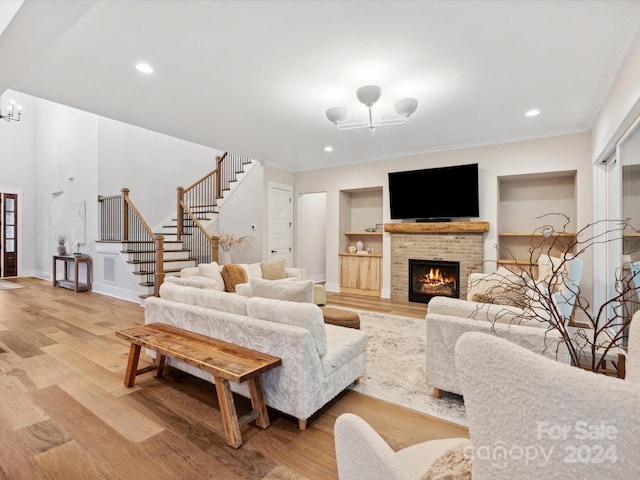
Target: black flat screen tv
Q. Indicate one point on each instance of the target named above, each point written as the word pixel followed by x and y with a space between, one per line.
pixel 435 193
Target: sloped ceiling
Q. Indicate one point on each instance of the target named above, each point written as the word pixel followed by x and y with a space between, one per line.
pixel 255 77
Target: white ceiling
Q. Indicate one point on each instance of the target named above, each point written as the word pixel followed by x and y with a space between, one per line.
pixel 255 77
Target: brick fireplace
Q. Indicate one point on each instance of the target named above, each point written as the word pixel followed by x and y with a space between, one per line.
pixel 449 241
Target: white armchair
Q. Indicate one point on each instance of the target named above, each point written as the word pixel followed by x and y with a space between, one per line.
pixel 566 422
pixel 449 318
pixel 530 418
pixel 362 454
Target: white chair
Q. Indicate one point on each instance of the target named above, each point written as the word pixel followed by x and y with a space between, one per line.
pixel 362 454
pixel 530 418
pixel 448 318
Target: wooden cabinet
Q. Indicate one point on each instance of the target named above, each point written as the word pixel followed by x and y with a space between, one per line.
pixel 361 274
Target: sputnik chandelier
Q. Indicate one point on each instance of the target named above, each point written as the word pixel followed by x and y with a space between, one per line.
pixel 13 111
pixel 368 95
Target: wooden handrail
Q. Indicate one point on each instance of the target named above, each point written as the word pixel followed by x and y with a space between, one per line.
pixel 195 184
pixel 213 239
pixel 127 201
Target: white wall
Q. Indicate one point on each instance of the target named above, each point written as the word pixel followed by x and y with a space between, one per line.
pixel 240 211
pixel 66 161
pixel 148 162
pixel 17 157
pixel 621 106
pixel 567 152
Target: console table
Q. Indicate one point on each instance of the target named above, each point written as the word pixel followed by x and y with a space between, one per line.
pixel 72 284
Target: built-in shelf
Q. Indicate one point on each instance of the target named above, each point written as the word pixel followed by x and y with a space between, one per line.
pixel 526 203
pixel 512 261
pixel 522 234
pixel 361 209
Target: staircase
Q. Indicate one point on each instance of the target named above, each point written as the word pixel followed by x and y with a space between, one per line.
pixel 184 241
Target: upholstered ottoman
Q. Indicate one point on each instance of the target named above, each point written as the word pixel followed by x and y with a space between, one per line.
pixel 342 318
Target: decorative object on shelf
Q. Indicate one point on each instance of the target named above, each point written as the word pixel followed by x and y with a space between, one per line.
pixel 226 242
pixel 379 227
pixel 370 250
pixel 368 95
pixel 76 247
pixel 352 249
pixel 369 229
pixel 62 248
pixel 13 111
pixel 359 246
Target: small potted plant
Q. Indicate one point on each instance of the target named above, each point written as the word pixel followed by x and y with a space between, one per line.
pixel 61 239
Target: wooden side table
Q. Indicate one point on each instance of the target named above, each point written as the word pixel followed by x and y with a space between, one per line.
pixel 225 361
pixel 72 284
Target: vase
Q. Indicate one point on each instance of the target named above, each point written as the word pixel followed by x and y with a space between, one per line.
pixel 62 250
pixel 225 258
pixel 359 246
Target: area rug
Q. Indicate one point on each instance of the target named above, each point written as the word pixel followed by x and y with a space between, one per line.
pixel 396 367
pixel 5 285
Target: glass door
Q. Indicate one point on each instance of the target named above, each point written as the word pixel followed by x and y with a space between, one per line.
pixel 10 235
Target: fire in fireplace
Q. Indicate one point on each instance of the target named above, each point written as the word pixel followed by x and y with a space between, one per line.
pixel 432 278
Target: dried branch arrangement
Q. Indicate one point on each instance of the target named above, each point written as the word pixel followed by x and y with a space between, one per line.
pixel 555 296
pixel 228 240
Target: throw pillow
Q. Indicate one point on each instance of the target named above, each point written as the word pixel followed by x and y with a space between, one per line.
pixel 502 279
pixel 546 267
pixel 514 297
pixel 212 270
pixel 253 270
pixel 291 291
pixel 273 270
pixel 454 464
pixel 232 275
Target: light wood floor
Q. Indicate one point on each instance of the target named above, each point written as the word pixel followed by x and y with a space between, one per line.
pixel 65 413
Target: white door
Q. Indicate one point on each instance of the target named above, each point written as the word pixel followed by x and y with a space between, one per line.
pixel 281 223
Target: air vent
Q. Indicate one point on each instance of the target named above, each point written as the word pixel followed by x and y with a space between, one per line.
pixel 109 268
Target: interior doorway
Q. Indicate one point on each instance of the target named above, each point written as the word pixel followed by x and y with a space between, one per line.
pixel 280 223
pixel 311 237
pixel 9 235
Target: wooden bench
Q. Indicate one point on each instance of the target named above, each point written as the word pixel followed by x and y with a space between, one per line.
pixel 225 361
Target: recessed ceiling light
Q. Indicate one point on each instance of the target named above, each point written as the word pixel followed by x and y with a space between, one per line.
pixel 532 113
pixel 328 149
pixel 144 68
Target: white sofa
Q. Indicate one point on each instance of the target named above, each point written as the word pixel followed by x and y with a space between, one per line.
pixel 318 361
pixel 208 275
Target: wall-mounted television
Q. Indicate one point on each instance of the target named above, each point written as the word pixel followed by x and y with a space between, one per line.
pixel 435 193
